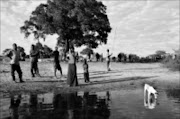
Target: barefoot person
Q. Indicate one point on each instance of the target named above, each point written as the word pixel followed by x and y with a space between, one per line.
pixel 36 59
pixel 56 62
pixel 108 60
pixel 33 59
pixel 86 72
pixel 72 70
pixel 14 55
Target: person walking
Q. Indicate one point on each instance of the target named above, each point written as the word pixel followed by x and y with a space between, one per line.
pixel 72 70
pixel 56 62
pixel 14 55
pixel 108 60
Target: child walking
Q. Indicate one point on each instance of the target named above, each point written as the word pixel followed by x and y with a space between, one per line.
pixel 86 72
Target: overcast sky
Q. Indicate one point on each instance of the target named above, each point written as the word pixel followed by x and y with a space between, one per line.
pixel 141 27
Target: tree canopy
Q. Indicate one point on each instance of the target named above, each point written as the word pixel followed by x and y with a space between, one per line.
pixel 87 51
pixel 39 46
pixel 160 52
pixel 44 51
pixel 47 50
pixel 76 22
pixel 6 51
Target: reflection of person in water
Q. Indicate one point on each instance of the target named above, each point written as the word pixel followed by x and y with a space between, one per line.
pixel 59 105
pixel 65 105
pixel 71 102
pixel 33 103
pixel 72 106
pixel 108 95
pixel 57 101
pixel 85 105
pixel 15 102
pixel 33 100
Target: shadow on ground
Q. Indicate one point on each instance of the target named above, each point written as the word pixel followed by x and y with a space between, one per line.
pixel 102 72
pixel 118 80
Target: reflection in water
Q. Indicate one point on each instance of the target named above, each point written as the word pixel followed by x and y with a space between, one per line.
pixel 108 95
pixel 64 106
pixel 13 109
pixel 88 105
pixel 150 97
pixel 81 106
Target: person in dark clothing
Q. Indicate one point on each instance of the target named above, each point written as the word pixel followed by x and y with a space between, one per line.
pixel 14 55
pixel 37 57
pixel 56 62
pixel 86 72
pixel 33 59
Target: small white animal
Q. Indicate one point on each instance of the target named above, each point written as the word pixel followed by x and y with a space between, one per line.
pixel 150 96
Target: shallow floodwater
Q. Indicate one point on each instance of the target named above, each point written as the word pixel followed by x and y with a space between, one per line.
pixel 120 104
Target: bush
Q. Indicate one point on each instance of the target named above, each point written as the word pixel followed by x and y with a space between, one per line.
pixel 172 64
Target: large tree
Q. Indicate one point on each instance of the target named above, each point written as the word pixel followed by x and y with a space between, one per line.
pixel 76 22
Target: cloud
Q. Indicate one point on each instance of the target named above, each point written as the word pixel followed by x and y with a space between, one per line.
pixel 13 15
pixel 143 26
pixel 140 27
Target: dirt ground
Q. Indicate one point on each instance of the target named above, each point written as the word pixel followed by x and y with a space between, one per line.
pixel 122 76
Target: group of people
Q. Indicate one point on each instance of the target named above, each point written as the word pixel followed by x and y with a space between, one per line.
pixel 72 80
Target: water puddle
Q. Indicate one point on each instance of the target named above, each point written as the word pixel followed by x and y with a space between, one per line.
pixel 125 104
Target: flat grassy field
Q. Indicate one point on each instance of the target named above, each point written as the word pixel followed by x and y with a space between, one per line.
pixel 122 76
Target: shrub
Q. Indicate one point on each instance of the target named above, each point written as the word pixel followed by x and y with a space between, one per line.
pixel 172 64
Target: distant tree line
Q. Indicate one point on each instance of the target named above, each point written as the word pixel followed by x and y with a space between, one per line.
pixel 158 56
pixel 133 58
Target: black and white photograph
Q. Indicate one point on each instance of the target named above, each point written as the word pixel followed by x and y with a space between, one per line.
pixel 89 59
